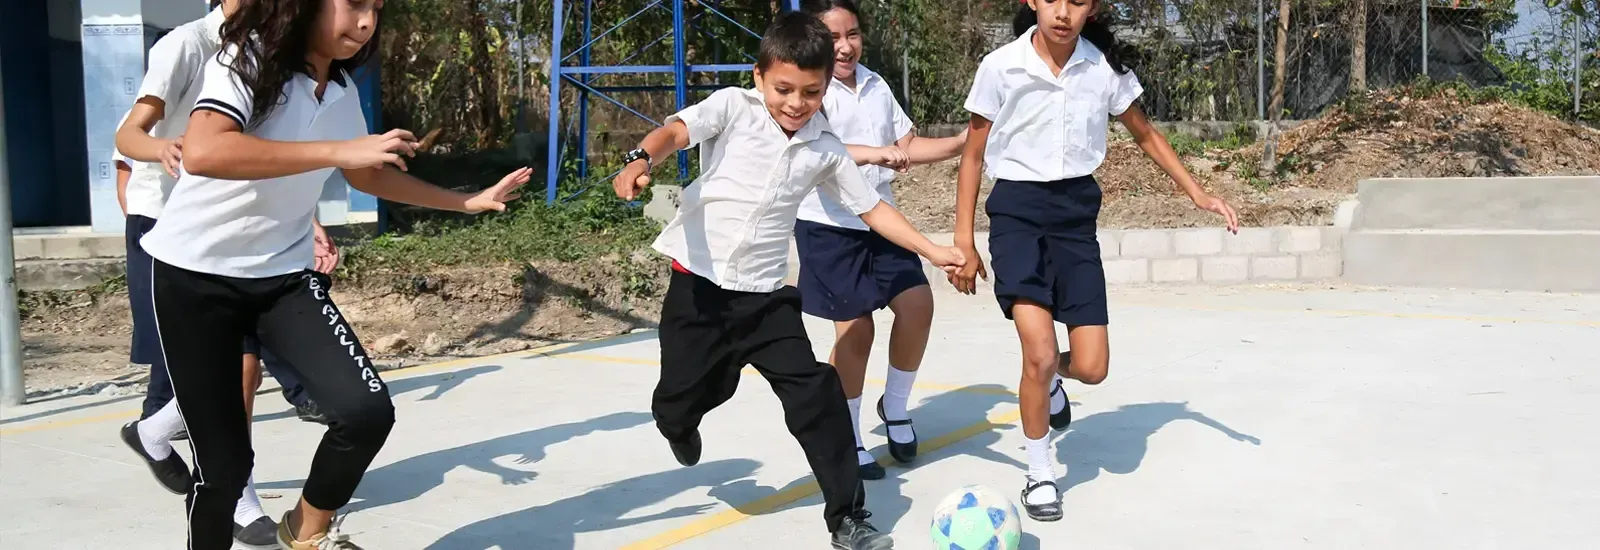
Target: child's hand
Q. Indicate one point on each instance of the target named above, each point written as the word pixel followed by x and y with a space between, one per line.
pixel 326 253
pixel 1213 204
pixel 376 150
pixel 633 179
pixel 948 258
pixel 965 279
pixel 172 156
pixel 893 157
pixel 494 198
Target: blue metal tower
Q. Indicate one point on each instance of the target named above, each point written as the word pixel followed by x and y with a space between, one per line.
pixel 583 75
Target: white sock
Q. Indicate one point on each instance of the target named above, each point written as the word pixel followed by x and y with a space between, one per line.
pixel 862 457
pixel 1040 469
pixel 896 393
pixel 156 432
pixel 1058 399
pixel 249 507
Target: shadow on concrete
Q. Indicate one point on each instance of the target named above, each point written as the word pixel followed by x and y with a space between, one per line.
pixel 555 526
pixel 537 288
pixel 1116 441
pixel 415 476
pixel 884 497
pixel 441 383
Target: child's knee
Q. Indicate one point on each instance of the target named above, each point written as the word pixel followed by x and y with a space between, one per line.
pixel 1091 369
pixel 369 423
pixel 915 305
pixel 1040 365
pixel 855 336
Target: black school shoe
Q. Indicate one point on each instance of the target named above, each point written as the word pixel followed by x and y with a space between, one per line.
pixel 1050 511
pixel 687 451
pixel 261 534
pixel 170 472
pixel 870 470
pixel 903 452
pixel 1059 421
pixel 855 533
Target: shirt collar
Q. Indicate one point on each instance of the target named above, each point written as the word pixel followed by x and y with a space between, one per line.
pixel 1031 61
pixel 813 129
pixel 213 25
pixel 864 78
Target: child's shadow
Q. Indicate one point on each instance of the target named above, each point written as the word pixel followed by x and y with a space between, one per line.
pixel 1117 441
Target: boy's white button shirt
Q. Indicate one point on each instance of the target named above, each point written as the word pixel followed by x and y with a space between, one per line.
pixel 1047 128
pixel 255 228
pixel 734 221
pixel 867 115
pixel 177 62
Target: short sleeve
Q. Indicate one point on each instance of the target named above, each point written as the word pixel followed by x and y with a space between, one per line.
pixel 708 118
pixel 902 123
pixel 844 185
pixel 222 91
pixel 986 96
pixel 1125 89
pixel 172 68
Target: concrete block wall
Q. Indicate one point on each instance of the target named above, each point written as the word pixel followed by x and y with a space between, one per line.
pixel 1197 255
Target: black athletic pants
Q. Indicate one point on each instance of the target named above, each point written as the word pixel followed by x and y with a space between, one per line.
pixel 202 320
pixel 709 334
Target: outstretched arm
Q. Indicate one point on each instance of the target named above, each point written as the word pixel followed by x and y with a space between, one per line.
pixel 968 180
pixel 924 150
pixel 1155 145
pixel 659 143
pixel 391 184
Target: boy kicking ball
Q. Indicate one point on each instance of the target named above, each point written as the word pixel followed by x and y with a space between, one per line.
pixel 762 151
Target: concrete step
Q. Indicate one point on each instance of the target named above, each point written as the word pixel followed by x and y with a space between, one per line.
pixel 68 246
pixel 1555 261
pixel 40 275
pixel 1530 203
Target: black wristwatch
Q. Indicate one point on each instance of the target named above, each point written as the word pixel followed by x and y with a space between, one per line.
pixel 638 154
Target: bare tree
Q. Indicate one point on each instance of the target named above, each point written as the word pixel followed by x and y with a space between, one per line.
pixel 1358 46
pixel 1280 66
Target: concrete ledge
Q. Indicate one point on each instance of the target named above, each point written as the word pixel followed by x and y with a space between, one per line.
pixel 40 275
pixel 1524 203
pixel 72 246
pixel 1188 255
pixel 1564 261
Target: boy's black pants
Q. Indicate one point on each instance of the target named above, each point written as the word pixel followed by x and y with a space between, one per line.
pixel 202 320
pixel 709 334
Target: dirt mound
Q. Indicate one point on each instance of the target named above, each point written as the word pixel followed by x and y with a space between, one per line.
pixel 1395 133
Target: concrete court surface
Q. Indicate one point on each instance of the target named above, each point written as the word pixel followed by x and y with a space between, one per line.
pixel 1298 416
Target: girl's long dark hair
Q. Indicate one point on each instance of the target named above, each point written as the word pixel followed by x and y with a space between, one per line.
pixel 272 38
pixel 1095 31
pixel 819 7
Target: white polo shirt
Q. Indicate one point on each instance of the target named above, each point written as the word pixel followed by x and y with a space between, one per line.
pixel 255 228
pixel 867 115
pixel 176 65
pixel 734 222
pixel 1047 128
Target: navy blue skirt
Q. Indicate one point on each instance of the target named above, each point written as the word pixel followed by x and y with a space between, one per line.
pixel 1042 239
pixel 847 274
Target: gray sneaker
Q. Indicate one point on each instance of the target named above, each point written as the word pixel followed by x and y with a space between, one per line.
pixel 261 534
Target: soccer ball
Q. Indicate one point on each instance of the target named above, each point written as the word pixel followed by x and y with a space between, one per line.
pixel 976 518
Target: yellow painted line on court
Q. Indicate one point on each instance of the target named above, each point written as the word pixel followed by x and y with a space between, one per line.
pixel 396 374
pixel 783 498
pixel 1367 313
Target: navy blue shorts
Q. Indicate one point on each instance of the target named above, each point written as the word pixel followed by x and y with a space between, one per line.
pixel 1042 238
pixel 847 274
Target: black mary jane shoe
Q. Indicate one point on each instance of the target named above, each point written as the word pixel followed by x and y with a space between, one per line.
pixel 1050 511
pixel 1059 421
pixel 902 452
pixel 870 470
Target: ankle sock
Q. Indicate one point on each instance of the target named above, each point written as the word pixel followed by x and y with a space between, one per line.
pixel 248 508
pixel 1058 399
pixel 896 394
pixel 1040 469
pixel 862 457
pixel 156 432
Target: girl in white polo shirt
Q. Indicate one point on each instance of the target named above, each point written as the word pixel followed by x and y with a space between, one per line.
pixel 277 113
pixel 847 271
pixel 1040 109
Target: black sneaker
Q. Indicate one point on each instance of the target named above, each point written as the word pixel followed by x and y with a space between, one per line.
pixel 856 534
pixel 870 470
pixel 903 452
pixel 170 472
pixel 1060 420
pixel 310 413
pixel 687 451
pixel 261 534
pixel 1050 511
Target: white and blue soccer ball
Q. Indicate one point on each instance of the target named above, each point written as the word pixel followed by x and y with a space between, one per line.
pixel 976 518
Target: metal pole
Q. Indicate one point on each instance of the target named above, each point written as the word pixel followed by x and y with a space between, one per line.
pixel 522 55
pixel 553 171
pixel 1424 38
pixel 583 95
pixel 680 69
pixel 12 390
pixel 1261 60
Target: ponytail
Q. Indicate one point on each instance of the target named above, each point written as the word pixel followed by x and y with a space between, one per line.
pixel 1095 31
